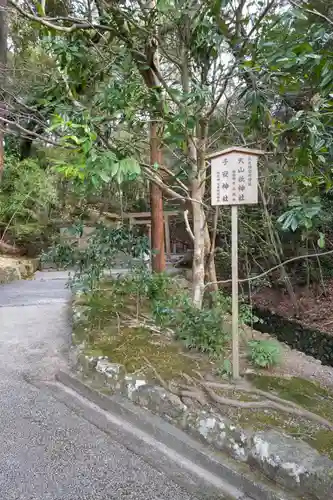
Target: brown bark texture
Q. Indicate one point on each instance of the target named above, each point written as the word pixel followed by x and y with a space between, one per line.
pixel 3 62
pixel 156 204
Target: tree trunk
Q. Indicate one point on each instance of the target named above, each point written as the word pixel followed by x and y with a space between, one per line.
pixel 210 252
pixel 156 204
pixel 195 149
pixel 197 153
pixel 156 196
pixel 3 61
pixel 198 268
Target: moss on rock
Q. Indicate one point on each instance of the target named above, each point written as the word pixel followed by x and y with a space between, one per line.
pixel 307 394
pixel 132 347
pixel 14 269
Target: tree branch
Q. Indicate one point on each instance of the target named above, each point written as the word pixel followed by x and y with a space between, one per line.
pixel 278 266
pixel 312 11
pixel 29 133
pixel 187 225
pixel 236 54
pixel 155 179
pixel 45 21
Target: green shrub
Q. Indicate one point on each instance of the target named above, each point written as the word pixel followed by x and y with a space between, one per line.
pixel 197 329
pixel 201 329
pixel 27 192
pixel 171 307
pixel 264 353
pixel 224 302
pixel 156 286
pixel 225 369
pixel 88 265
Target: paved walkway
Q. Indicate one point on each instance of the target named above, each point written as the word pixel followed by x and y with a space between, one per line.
pixel 47 451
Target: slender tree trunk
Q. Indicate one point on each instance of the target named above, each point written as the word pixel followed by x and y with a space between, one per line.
pixel 198 267
pixel 198 151
pixel 195 149
pixel 3 61
pixel 156 204
pixel 198 217
pixel 210 252
pixel 156 195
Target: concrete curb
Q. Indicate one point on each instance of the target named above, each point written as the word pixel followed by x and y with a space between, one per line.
pixel 235 476
pixel 288 462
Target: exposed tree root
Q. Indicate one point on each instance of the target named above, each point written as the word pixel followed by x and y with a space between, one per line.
pixel 177 390
pixel 271 401
pixel 142 322
pixel 268 403
pixel 245 387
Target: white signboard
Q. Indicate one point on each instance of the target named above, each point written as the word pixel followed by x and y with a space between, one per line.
pixel 234 179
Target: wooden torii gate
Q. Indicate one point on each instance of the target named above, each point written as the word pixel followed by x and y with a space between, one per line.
pixel 144 218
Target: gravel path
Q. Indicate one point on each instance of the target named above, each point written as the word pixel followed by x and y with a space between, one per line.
pixel 48 452
pixel 298 364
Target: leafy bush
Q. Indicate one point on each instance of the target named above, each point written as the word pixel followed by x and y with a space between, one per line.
pixel 27 191
pixel 197 329
pixel 89 264
pixel 225 369
pixel 264 353
pixel 157 286
pixel 224 302
pixel 171 307
pixel 201 329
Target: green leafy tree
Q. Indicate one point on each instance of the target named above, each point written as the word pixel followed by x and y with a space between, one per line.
pixel 188 56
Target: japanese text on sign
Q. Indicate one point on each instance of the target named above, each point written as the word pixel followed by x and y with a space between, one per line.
pixel 234 179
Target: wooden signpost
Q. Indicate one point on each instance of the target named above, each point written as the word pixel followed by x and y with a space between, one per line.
pixel 234 181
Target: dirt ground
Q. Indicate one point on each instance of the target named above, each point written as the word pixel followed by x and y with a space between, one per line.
pixel 316 311
pixel 315 304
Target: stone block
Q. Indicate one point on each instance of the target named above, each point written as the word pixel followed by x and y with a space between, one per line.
pixel 292 463
pixel 218 431
pixel 110 374
pixel 132 384
pixel 87 364
pixel 12 269
pixel 159 401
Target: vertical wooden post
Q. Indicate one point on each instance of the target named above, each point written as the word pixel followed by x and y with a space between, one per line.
pixel 240 167
pixel 234 267
pixel 167 235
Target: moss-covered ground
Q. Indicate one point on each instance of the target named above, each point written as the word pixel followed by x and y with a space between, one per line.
pixel 138 345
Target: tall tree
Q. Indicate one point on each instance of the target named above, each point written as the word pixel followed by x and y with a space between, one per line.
pixel 156 194
pixel 3 60
pixel 202 49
